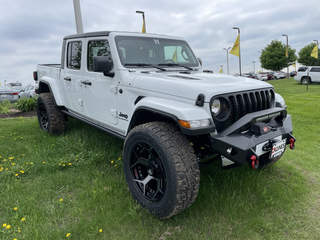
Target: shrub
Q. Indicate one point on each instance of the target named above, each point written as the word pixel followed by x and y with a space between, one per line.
pixel 27 104
pixel 5 106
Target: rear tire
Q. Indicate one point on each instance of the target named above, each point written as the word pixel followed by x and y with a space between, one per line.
pixel 161 168
pixel 50 117
pixel 305 80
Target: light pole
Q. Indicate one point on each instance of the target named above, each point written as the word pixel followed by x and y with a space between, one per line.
pixel 254 66
pixel 287 54
pixel 260 61
pixel 144 22
pixel 227 49
pixel 317 50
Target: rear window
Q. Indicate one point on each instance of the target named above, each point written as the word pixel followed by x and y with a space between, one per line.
pixel 302 69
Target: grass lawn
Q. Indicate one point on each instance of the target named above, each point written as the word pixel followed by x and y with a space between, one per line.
pixel 72 186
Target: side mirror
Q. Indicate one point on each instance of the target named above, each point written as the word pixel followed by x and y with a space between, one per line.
pixel 103 64
pixel 200 61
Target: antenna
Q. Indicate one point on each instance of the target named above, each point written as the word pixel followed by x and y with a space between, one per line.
pixel 78 17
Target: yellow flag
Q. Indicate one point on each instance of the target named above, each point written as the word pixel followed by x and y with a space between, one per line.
pixel 144 26
pixel 314 52
pixel 236 47
pixel 294 64
pixel 286 52
pixel 174 56
pixel 220 70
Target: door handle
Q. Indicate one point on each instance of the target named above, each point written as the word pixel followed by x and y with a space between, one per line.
pixel 67 79
pixel 86 82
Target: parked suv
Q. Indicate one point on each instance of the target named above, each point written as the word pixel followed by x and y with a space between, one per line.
pixel 307 74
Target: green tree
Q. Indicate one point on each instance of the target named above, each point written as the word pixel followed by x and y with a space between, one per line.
pixel 273 56
pixel 305 55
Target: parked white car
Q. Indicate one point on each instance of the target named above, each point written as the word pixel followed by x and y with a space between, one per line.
pixel 307 74
pixel 28 91
pixel 278 75
pixel 262 76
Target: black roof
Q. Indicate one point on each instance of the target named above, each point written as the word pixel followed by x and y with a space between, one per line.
pixel 90 34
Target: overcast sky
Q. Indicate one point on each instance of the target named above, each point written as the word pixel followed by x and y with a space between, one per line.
pixel 31 31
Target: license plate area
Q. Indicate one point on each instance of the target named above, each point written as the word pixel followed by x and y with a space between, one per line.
pixel 278 148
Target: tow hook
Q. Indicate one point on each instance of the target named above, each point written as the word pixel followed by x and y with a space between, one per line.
pixel 254 162
pixel 292 146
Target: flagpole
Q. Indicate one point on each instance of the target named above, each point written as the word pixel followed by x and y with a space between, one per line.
pixel 317 53
pixel 144 21
pixel 239 49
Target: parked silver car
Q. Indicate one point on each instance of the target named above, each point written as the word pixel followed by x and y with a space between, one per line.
pixel 28 91
pixel 8 93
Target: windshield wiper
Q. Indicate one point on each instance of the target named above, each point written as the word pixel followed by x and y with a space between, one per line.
pixel 143 65
pixel 175 65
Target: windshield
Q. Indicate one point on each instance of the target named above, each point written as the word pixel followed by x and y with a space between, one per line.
pixel 150 52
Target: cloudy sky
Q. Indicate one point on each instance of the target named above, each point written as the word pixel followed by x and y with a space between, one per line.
pixel 31 31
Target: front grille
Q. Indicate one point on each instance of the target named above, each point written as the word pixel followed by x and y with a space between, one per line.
pixel 242 103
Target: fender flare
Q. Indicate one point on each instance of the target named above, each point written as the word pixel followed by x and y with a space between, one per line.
pixel 53 88
pixel 175 111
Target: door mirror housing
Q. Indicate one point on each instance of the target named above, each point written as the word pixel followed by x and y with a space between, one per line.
pixel 103 64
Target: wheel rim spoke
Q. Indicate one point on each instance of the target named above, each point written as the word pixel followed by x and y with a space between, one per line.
pixel 148 172
pixel 43 117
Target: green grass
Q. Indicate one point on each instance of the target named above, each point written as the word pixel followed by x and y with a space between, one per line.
pixel 74 183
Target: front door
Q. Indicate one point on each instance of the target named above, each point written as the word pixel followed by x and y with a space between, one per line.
pixel 99 92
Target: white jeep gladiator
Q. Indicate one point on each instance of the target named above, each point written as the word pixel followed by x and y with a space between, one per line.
pixel 151 91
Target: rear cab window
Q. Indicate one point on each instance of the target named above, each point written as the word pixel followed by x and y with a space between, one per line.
pixel 74 55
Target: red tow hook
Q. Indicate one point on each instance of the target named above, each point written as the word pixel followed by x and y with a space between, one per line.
pixel 254 162
pixel 291 140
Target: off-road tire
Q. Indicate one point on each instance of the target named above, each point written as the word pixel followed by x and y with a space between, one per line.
pixel 161 168
pixel 50 117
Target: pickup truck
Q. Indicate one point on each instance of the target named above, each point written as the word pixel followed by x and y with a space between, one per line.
pixel 174 116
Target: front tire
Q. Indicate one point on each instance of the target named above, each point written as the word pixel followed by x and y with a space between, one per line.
pixel 50 117
pixel 161 168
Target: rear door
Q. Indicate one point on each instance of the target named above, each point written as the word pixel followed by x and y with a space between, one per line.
pixel 71 75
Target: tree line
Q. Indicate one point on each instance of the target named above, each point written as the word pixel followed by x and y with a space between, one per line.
pixel 273 56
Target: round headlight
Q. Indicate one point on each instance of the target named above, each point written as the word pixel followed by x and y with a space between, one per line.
pixel 216 106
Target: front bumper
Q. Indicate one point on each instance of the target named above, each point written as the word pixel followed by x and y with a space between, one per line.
pixel 239 144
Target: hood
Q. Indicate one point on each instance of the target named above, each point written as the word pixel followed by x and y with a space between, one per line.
pixel 190 85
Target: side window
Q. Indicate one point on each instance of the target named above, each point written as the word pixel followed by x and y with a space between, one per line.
pixel 74 55
pixel 97 48
pixel 302 69
pixel 315 69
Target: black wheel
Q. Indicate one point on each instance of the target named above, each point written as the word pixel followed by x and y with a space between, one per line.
pixel 50 117
pixel 161 168
pixel 305 80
